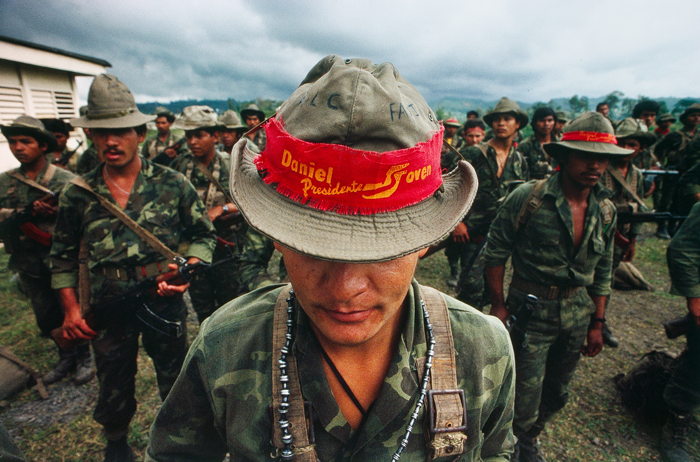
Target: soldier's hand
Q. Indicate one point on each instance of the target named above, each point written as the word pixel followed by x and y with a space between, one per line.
pixel 170 152
pixel 460 234
pixel 594 345
pixel 629 251
pixel 694 309
pixel 168 290
pixel 501 312
pixel 75 327
pixel 44 209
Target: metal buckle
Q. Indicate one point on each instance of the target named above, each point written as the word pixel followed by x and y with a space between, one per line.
pixel 430 410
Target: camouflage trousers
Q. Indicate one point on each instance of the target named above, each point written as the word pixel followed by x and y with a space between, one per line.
pixel 116 350
pixel 471 286
pixel 44 300
pixel 682 394
pixel 547 361
pixel 213 289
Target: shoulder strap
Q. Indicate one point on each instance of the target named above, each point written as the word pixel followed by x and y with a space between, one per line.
pixel 15 174
pixel 445 400
pixel 205 171
pixel 304 451
pixel 615 173
pixel 131 224
pixel 484 147
pixel 606 209
pixel 84 290
pixel 533 201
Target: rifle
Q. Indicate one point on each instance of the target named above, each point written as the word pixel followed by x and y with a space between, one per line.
pixel 680 326
pixel 517 325
pixel 659 172
pixel 63 161
pixel 140 295
pixel 163 158
pixel 645 217
pixel 20 222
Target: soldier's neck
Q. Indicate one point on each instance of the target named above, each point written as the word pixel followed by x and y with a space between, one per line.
pixel 32 169
pixel 206 160
pixel 544 138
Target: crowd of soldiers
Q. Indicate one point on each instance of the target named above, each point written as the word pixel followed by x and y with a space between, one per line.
pixel 354 332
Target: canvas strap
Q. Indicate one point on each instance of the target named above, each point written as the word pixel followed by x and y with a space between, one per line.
pixel 84 291
pixel 144 234
pixel 533 201
pixel 304 451
pixel 447 405
pixel 9 355
pixel 214 180
pixel 617 175
pixel 42 184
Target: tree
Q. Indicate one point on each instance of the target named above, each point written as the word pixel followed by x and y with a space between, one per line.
pixel 627 107
pixel 613 100
pixel 682 105
pixel 578 105
pixel 442 114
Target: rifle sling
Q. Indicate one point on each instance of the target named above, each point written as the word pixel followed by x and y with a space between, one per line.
pixel 7 354
pixel 615 173
pixel 131 224
pixel 205 171
pixel 50 170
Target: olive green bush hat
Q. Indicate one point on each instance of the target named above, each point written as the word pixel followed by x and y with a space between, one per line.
pixel 231 121
pixel 507 106
pixel 563 117
pixel 111 105
pixel 666 118
pixel 252 110
pixel 196 117
pixel 695 107
pixel 635 129
pixel 589 132
pixel 351 168
pixel 29 126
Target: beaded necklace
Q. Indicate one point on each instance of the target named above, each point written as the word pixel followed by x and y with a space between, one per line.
pixel 288 453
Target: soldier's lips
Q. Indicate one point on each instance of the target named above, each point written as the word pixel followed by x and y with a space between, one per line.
pixel 112 154
pixel 348 316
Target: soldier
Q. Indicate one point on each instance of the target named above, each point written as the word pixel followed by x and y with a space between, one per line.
pixel 687 192
pixel 32 185
pixel 88 159
pixel 497 164
pixel 543 121
pixel 562 120
pixel 208 171
pixel 560 232
pixel 164 146
pixel 252 116
pixel 663 125
pixel 62 156
pixel 472 115
pixel 680 438
pixel 231 130
pixel 451 137
pixel 603 108
pixel 646 111
pixel 159 201
pixel 353 330
pixel 674 151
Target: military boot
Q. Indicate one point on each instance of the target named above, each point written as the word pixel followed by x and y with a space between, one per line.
pixel 608 338
pixel 119 451
pixel 529 449
pixel 84 372
pixel 454 276
pixel 662 230
pixel 675 439
pixel 63 367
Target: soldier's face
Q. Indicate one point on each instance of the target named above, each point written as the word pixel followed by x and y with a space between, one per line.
pixel 252 121
pixel 117 147
pixel 545 125
pixel 201 142
pixel 162 125
pixel 350 304
pixel 604 109
pixel 559 126
pixel 229 137
pixel 450 131
pixel 629 143
pixel 693 119
pixel 504 126
pixel 473 136
pixel 648 118
pixel 665 125
pixel 26 149
pixel 61 139
pixel 584 169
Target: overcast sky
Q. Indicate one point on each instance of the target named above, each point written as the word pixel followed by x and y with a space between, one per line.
pixel 527 50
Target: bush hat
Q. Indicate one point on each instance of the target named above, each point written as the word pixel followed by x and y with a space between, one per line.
pixel 57 126
pixel 29 126
pixel 252 110
pixel 165 112
pixel 392 202
pixel 197 117
pixel 666 118
pixel 111 105
pixel 452 122
pixel 589 132
pixel 231 121
pixel 635 129
pixel 507 106
pixel 695 107
pixel 562 117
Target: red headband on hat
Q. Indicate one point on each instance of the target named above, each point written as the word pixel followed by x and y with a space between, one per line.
pixel 589 136
pixel 337 178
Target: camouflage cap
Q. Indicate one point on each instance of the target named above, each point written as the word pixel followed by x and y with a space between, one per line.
pixel 695 107
pixel 29 126
pixel 666 118
pixel 163 112
pixel 507 106
pixel 111 105
pixel 231 121
pixel 252 110
pixel 635 129
pixel 196 117
pixel 563 117
pixel 590 132
pixel 351 112
pixel 452 122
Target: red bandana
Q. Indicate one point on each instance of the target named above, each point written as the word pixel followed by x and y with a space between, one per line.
pixel 590 136
pixel 338 178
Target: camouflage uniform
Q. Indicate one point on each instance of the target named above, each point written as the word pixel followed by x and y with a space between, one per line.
pixel 255 256
pixel 70 164
pixel 483 211
pixel 164 203
pixel 214 288
pixel 220 402
pixel 88 160
pixel 260 138
pixel 671 151
pixel 29 258
pixel 153 146
pixel 542 253
pixel 688 187
pixel 537 159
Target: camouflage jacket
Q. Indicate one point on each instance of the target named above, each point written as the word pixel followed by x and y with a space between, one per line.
pixel 220 402
pixel 162 201
pixel 260 139
pixel 543 247
pixel 671 149
pixel 537 160
pixel 622 200
pixel 491 188
pixel 683 256
pixel 255 257
pixel 689 183
pixel 88 160
pixel 71 164
pixel 153 145
pixel 14 196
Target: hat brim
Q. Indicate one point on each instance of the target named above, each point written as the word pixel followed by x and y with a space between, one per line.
pixel 134 119
pixel 647 138
pixel 189 127
pixel 252 112
pixel 41 137
pixel 349 238
pixel 521 116
pixel 560 147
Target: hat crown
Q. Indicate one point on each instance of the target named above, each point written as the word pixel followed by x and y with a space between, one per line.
pixel 109 98
pixel 629 127
pixel 194 117
pixel 25 121
pixel 230 119
pixel 590 122
pixel 505 105
pixel 359 104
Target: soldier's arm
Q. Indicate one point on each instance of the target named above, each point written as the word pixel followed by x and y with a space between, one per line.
pixel 199 229
pixel 255 257
pixel 602 277
pixel 65 242
pixel 683 257
pixel 74 326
